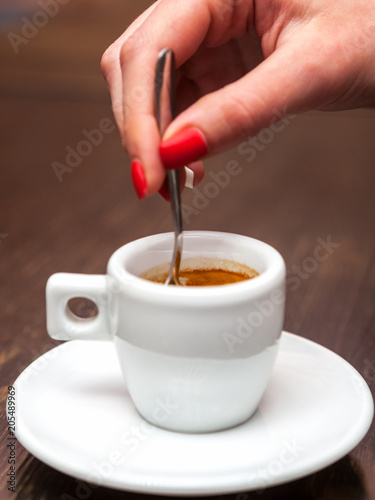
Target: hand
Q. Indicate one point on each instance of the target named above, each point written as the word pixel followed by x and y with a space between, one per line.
pixel 238 63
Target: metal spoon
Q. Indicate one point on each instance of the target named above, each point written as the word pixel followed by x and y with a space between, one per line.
pixel 165 93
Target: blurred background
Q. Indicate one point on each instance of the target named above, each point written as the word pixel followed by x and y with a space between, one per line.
pixel 305 186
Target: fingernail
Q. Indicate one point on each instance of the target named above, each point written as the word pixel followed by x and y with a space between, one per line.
pixel 164 191
pixel 184 147
pixel 189 181
pixel 139 179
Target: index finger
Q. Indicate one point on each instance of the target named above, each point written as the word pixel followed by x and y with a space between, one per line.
pixel 181 26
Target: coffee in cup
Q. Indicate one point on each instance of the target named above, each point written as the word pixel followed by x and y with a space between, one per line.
pixel 202 271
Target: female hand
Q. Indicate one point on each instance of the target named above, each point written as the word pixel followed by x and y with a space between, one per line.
pixel 240 64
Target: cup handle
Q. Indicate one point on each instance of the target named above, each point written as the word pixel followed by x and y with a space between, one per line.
pixel 62 324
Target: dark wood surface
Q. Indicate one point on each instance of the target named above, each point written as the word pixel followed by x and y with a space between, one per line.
pixel 312 181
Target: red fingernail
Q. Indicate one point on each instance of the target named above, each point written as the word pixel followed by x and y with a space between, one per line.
pixel 164 191
pixel 139 179
pixel 185 147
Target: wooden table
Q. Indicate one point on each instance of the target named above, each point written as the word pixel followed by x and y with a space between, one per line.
pixel 310 181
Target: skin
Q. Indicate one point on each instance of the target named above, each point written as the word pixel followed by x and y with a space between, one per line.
pixel 238 61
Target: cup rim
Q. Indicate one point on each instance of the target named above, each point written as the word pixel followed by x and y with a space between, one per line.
pixel 267 278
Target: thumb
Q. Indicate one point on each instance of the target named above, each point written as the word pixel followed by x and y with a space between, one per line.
pixel 288 81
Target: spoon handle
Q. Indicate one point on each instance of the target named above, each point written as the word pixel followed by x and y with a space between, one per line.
pixel 165 93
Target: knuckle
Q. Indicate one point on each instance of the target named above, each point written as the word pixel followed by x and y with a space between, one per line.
pixel 131 48
pixel 109 58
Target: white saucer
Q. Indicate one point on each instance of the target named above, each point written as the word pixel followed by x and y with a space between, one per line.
pixel 74 413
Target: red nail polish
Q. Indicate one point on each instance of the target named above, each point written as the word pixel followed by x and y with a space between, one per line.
pixel 184 147
pixel 139 179
pixel 164 191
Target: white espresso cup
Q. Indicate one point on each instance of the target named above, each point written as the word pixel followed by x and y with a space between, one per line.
pixel 195 359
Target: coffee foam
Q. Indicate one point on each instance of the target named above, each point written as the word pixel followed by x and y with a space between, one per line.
pixel 159 273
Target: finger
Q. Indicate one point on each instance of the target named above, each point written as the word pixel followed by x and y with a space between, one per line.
pixel 138 60
pixel 111 68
